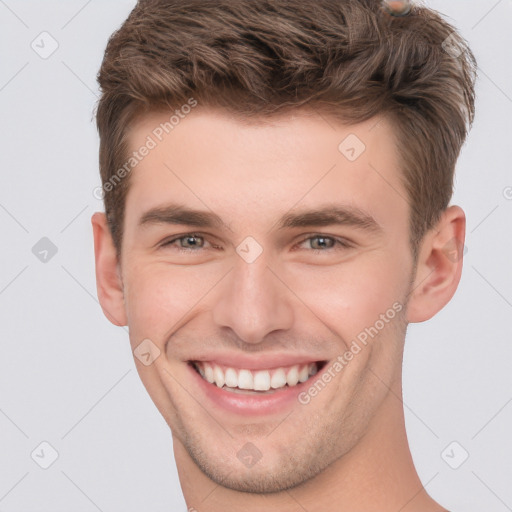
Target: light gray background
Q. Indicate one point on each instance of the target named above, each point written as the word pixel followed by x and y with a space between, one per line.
pixel 67 375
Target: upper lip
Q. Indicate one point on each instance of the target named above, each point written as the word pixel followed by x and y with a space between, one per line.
pixel 257 361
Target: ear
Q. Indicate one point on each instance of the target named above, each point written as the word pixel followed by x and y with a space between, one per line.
pixel 439 266
pixel 109 284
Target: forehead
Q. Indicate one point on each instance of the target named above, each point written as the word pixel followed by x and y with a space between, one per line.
pixel 254 170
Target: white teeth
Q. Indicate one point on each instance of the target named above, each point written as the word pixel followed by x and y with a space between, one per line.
pixel 208 373
pixel 231 378
pixel 218 375
pixel 303 374
pixel 292 377
pixel 260 380
pixel 278 379
pixel 245 380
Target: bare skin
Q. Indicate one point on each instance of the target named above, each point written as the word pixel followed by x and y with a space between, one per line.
pixel 196 298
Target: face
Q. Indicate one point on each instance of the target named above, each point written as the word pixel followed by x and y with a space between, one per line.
pixel 255 257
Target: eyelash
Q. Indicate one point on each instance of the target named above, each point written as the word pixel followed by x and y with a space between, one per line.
pixel 343 243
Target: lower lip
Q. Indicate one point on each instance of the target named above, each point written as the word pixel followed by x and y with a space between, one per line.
pixel 251 404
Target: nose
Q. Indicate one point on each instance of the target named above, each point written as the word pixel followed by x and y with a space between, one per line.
pixel 253 301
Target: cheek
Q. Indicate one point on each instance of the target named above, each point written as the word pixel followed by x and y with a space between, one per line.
pixel 159 297
pixel 350 298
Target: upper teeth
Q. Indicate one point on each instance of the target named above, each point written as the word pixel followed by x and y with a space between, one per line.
pixel 257 380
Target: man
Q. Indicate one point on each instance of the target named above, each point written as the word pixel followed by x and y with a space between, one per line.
pixel 277 179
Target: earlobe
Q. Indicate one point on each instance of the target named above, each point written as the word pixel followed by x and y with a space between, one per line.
pixel 109 285
pixel 439 266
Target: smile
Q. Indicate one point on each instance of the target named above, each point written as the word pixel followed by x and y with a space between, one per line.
pixel 243 380
pixel 244 385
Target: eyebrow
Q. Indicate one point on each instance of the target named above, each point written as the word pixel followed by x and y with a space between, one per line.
pixel 331 215
pixel 326 216
pixel 178 214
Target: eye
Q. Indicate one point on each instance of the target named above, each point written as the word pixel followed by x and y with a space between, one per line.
pixel 187 242
pixel 193 242
pixel 326 243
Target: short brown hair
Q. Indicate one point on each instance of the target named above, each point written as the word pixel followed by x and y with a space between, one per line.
pixel 350 59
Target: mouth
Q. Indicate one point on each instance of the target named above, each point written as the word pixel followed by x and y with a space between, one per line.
pixel 261 381
pixel 251 392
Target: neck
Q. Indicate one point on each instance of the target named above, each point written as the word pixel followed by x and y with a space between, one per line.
pixel 377 475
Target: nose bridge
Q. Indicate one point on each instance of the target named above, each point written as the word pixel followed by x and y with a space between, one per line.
pixel 253 301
